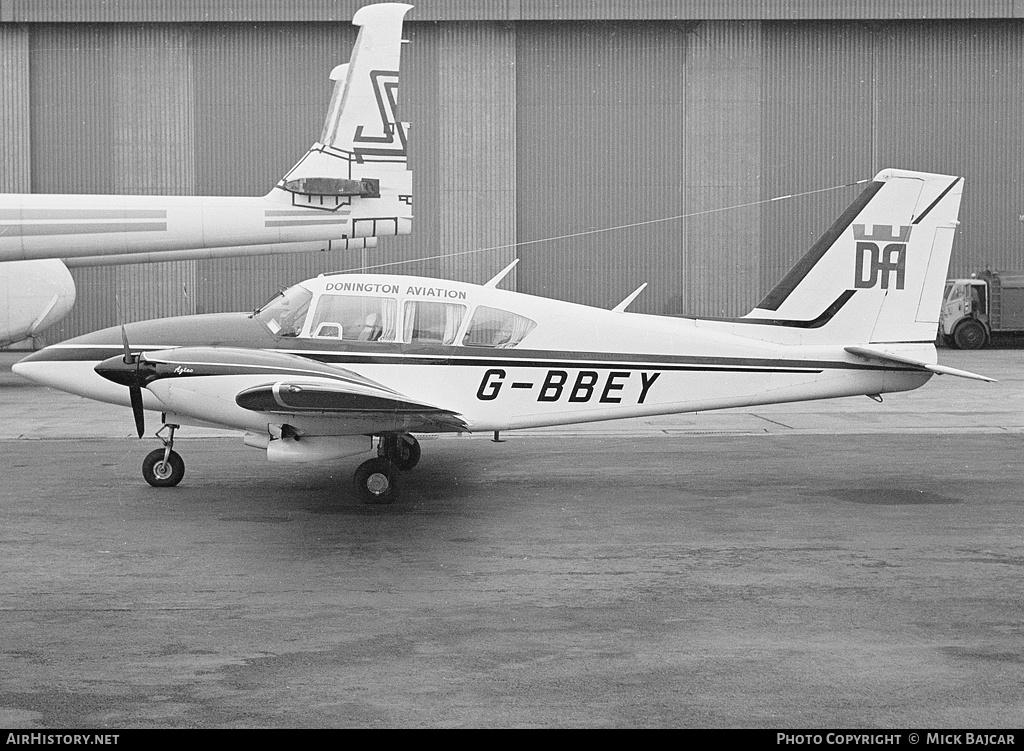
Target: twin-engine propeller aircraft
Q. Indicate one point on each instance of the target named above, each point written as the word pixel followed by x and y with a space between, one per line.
pixel 335 362
pixel 352 186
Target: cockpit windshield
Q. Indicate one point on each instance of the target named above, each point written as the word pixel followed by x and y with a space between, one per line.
pixel 285 314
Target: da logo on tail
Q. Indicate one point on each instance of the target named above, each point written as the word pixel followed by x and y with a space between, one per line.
pixel 875 263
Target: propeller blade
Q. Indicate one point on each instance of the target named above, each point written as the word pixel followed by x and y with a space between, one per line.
pixel 127 349
pixel 129 376
pixel 124 334
pixel 140 416
pixel 133 376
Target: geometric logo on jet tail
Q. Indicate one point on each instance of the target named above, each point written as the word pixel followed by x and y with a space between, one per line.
pixel 385 89
pixel 875 262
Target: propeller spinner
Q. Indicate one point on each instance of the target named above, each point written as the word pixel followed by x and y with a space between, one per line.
pixel 128 370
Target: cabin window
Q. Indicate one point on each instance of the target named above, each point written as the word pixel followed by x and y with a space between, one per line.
pixel 355 318
pixel 491 327
pixel 285 314
pixel 433 322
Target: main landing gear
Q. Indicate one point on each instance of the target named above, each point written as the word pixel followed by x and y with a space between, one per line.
pixel 164 468
pixel 377 479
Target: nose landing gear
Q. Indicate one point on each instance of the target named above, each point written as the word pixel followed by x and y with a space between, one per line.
pixel 164 468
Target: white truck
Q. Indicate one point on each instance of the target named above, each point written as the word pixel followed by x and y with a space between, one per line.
pixel 974 309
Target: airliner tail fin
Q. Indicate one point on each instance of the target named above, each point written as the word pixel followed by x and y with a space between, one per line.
pixel 360 164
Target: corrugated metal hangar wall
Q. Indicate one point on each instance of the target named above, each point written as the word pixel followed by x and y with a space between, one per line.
pixel 526 130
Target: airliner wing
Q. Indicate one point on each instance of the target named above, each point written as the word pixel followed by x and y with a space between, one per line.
pixel 869 353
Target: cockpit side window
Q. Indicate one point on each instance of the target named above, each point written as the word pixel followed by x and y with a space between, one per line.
pixel 285 314
pixel 491 327
pixel 355 318
pixel 432 322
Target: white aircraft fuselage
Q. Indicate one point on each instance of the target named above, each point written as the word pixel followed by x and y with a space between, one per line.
pixel 576 364
pixel 86 226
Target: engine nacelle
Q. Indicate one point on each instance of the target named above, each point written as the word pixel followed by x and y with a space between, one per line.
pixel 33 296
pixel 317 448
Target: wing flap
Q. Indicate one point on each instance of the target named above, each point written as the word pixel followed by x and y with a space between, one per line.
pixel 886 357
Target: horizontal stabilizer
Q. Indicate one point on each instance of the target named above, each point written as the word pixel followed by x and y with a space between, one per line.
pixel 881 356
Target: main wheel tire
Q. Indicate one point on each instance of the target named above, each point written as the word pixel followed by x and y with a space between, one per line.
pixel 160 473
pixel 377 481
pixel 406 452
pixel 969 335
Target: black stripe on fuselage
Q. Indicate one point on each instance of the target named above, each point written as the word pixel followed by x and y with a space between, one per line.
pixel 390 353
pixel 649 363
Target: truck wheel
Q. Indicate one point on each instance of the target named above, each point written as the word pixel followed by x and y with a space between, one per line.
pixel 969 335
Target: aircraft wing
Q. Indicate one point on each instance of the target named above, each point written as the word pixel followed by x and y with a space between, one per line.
pixel 363 401
pixel 281 383
pixel 878 355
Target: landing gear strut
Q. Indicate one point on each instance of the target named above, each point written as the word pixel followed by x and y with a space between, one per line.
pixel 377 479
pixel 402 449
pixel 164 468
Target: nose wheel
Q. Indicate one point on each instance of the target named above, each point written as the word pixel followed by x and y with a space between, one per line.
pixel 164 468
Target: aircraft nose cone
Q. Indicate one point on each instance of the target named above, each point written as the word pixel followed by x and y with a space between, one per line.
pixel 43 368
pixel 79 370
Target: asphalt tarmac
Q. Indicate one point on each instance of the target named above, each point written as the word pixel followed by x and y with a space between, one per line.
pixel 840 564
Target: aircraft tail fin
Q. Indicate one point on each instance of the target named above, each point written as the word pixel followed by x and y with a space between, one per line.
pixel 360 164
pixel 877 275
